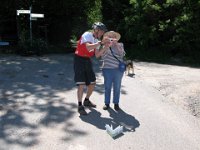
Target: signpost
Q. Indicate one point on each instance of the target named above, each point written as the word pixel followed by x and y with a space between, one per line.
pixel 31 37
pixel 37 15
pixel 23 12
pixel 32 17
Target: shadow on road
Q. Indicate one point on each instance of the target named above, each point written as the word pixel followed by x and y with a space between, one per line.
pixel 29 96
pixel 129 122
pixel 12 123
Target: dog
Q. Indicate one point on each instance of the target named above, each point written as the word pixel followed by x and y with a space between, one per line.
pixel 129 68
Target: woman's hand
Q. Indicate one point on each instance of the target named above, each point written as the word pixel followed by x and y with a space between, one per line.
pixel 114 42
pixel 109 41
pixel 105 40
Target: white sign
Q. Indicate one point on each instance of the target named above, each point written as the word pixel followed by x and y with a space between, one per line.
pixel 33 19
pixel 37 15
pixel 23 12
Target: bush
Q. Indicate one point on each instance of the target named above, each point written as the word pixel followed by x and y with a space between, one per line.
pixel 27 47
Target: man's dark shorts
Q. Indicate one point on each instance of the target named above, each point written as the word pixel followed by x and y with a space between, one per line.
pixel 83 70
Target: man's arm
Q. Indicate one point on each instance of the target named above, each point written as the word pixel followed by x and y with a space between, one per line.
pixel 91 46
pixel 101 51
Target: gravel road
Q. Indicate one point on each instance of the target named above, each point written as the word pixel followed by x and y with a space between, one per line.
pixel 180 85
pixel 38 107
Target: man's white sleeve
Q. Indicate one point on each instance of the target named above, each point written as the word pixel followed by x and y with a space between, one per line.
pixel 87 37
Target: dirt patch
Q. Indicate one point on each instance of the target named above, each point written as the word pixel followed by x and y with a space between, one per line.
pixel 180 85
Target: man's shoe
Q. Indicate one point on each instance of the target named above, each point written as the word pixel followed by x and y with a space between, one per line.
pixel 116 107
pixel 106 107
pixel 81 110
pixel 88 103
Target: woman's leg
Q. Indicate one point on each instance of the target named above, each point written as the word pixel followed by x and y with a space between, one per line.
pixel 117 85
pixel 108 79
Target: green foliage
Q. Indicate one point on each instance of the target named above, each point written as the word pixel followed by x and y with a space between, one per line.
pixel 170 27
pixel 27 47
pixel 94 12
pixel 164 25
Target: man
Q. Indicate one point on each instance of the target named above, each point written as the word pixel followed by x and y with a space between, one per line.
pixel 84 74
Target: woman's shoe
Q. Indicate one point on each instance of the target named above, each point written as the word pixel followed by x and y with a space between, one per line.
pixel 106 107
pixel 116 107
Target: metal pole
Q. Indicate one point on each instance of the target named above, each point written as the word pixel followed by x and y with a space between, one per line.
pixel 18 29
pixel 31 26
pixel 17 23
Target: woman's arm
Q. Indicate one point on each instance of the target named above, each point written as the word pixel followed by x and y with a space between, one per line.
pixel 120 48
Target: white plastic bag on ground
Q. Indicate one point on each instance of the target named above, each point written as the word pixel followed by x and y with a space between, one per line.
pixel 114 132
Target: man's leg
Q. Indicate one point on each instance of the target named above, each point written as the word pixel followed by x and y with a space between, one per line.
pixel 87 102
pixel 80 92
pixel 81 109
pixel 90 82
pixel 90 89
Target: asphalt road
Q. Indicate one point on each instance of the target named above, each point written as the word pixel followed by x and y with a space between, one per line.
pixel 38 111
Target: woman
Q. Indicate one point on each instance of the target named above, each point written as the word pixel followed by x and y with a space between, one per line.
pixel 111 73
